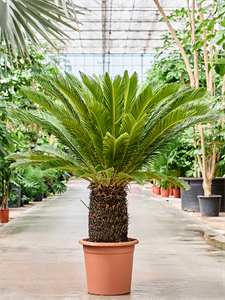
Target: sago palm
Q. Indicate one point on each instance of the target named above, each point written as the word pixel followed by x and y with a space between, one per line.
pixel 109 132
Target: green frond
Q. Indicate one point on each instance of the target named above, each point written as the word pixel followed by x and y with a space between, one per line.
pixel 70 91
pixel 155 175
pixel 113 148
pixel 57 152
pixel 130 90
pixel 113 97
pixel 147 101
pixel 51 87
pixel 93 86
pixel 31 156
pixel 24 162
pixel 50 123
pixel 179 182
pixel 135 130
pixel 139 177
pixel 109 130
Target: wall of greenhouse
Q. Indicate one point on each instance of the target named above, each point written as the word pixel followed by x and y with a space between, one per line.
pixel 115 64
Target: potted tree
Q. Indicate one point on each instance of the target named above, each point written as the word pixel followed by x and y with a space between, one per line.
pixel 7 146
pixel 196 45
pixel 109 132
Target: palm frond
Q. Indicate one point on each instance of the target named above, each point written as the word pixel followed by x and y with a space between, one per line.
pixel 19 19
pixel 113 148
pixel 179 182
pixel 108 130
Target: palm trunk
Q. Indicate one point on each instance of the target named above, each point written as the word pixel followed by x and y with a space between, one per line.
pixel 108 214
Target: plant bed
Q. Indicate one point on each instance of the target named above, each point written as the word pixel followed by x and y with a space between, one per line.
pixel 189 199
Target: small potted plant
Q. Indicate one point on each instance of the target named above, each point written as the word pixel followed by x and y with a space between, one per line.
pixel 165 185
pixel 109 132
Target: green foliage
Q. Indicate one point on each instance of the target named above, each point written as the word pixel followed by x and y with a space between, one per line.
pixel 25 20
pixel 169 65
pixel 32 181
pixel 108 130
pixel 53 181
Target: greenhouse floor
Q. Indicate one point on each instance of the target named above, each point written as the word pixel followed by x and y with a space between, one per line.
pixel 42 259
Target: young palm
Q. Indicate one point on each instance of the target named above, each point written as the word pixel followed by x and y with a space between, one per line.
pixel 109 132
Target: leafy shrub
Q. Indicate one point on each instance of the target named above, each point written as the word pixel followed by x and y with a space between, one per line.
pixel 32 181
pixel 53 181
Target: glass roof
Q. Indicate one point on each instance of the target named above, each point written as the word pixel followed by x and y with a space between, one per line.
pixel 120 27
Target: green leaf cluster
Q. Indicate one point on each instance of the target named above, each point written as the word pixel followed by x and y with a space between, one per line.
pixel 109 130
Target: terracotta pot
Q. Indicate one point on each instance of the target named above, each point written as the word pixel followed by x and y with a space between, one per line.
pixel 108 266
pixel 170 191
pixel 4 215
pixel 158 190
pixel 153 189
pixel 176 193
pixel 164 193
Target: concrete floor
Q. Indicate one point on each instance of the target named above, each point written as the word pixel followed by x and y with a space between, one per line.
pixel 41 258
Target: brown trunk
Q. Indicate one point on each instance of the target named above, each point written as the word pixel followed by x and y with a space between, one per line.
pixel 108 216
pixel 205 51
pixel 5 190
pixel 207 187
pixel 184 55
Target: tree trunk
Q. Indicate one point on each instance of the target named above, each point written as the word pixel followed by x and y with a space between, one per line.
pixel 207 187
pixel 5 190
pixel 188 66
pixel 108 214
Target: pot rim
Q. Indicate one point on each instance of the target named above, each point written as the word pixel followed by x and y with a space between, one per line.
pixel 212 196
pixel 199 178
pixel 131 242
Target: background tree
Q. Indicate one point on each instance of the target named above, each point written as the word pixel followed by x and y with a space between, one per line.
pixel 204 36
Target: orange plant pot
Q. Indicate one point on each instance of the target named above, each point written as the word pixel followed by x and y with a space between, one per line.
pixel 4 215
pixel 170 191
pixel 176 193
pixel 164 193
pixel 158 190
pixel 153 189
pixel 108 266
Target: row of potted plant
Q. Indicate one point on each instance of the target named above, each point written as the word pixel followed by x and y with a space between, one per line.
pixel 29 184
pixel 166 192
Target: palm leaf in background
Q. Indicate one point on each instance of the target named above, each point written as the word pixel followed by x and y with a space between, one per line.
pixel 29 20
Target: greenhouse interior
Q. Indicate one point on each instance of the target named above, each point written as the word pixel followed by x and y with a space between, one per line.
pixel 112 144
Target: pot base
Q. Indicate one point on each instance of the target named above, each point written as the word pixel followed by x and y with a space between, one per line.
pixel 108 267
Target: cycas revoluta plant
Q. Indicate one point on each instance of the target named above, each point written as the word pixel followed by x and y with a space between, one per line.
pixel 109 133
